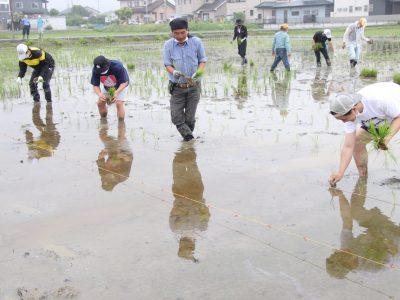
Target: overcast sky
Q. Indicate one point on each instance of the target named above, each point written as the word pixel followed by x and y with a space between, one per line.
pixel 101 5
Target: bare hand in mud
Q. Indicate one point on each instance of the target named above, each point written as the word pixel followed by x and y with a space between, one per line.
pixel 334 179
pixel 370 41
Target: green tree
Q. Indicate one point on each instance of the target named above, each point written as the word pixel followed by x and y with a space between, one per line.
pixel 54 12
pixel 124 13
pixel 80 11
pixel 99 19
pixel 75 20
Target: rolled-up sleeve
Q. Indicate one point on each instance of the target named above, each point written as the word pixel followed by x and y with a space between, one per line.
pixel 201 53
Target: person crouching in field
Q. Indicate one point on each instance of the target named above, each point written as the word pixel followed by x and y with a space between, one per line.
pixel 109 80
pixel 43 67
pixel 373 105
pixel 320 38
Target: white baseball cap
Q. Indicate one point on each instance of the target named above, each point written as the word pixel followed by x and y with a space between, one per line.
pixel 21 51
pixel 342 103
pixel 328 33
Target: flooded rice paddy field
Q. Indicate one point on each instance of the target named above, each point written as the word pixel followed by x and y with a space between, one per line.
pixel 93 210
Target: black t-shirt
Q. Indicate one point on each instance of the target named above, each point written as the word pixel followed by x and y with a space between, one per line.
pixel 319 37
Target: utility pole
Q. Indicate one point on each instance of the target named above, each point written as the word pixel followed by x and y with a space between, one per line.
pixel 147 17
pixel 11 17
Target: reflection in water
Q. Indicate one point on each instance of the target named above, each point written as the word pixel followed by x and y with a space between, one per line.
pixel 241 93
pixel 280 89
pixel 189 215
pixel 115 160
pixel 319 87
pixel 49 139
pixel 379 242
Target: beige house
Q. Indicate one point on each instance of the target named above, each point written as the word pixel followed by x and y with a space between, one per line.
pixel 217 10
pixel 188 8
pixel 150 11
pixel 248 7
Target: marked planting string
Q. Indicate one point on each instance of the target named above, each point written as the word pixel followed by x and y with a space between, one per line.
pixel 229 212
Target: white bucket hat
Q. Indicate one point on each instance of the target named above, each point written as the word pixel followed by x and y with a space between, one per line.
pixel 21 51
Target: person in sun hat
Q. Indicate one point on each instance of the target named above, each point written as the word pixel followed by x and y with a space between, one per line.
pixel 352 39
pixel 319 46
pixel 377 103
pixel 184 59
pixel 107 74
pixel 43 67
pixel 240 34
pixel 281 47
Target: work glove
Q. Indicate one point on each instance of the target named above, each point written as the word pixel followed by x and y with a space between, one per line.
pixel 19 80
pixel 40 79
pixel 177 74
pixel 370 41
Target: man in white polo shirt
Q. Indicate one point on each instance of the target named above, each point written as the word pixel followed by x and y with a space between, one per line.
pixel 377 103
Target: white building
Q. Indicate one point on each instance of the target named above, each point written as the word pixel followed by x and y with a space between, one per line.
pixel 351 8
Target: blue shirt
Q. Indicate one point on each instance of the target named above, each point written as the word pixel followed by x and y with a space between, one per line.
pixel 115 76
pixel 26 22
pixel 281 40
pixel 186 58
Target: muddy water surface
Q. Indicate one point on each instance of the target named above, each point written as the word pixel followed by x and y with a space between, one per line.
pixel 95 210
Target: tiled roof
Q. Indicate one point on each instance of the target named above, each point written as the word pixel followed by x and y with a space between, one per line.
pixel 211 6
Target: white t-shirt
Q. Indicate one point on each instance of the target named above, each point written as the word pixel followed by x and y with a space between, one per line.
pixel 381 102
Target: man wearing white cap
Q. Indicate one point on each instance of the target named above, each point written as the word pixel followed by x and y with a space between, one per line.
pixel 377 103
pixel 320 38
pixel 43 67
pixel 352 39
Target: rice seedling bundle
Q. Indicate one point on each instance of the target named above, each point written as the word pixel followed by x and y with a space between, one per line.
pixel 379 133
pixel 111 92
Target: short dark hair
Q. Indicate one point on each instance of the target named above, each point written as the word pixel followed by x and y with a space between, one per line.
pixel 178 23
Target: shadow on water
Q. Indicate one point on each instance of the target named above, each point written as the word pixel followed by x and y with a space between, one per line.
pixel 320 86
pixel 280 90
pixel 189 215
pixel 115 160
pixel 378 244
pixel 49 139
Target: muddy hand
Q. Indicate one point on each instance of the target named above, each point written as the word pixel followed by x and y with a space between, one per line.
pixel 334 179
